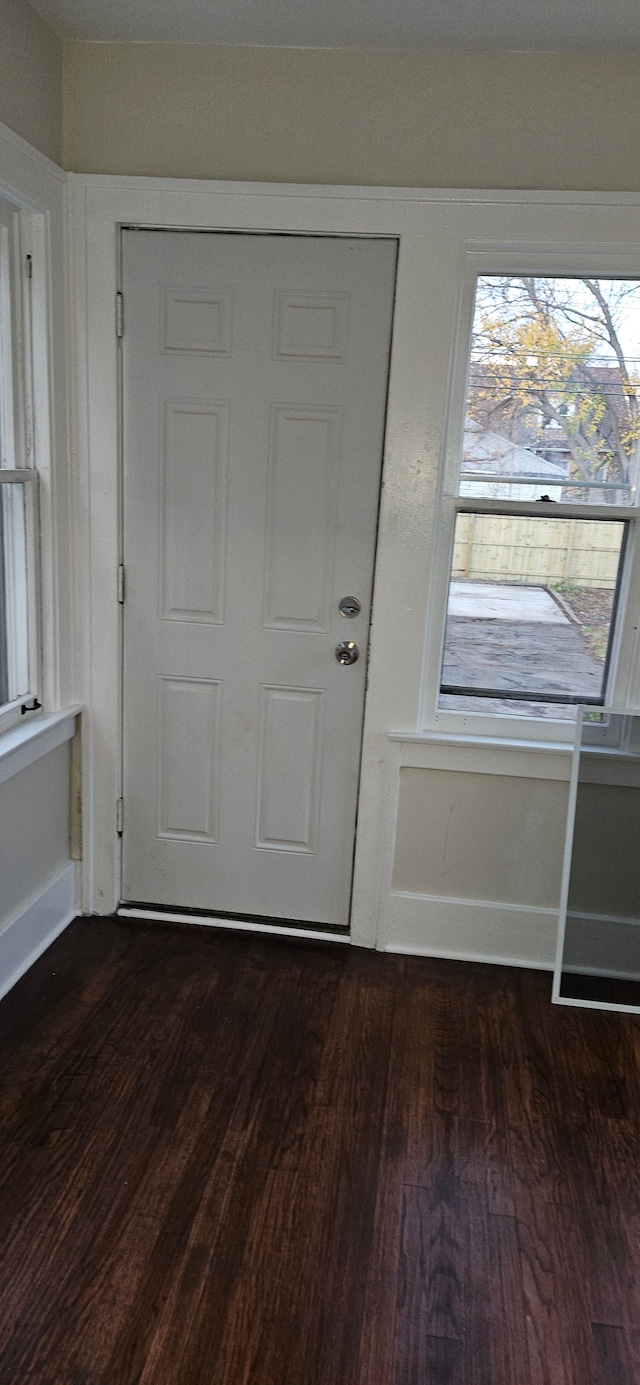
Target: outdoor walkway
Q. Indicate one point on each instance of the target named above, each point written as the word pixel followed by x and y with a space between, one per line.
pixel 514 637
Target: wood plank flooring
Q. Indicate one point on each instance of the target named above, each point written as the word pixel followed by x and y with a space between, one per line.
pixel 236 1161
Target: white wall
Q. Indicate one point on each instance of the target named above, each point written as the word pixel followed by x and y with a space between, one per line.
pixel 432 118
pixel 30 77
pixel 36 876
pixel 34 830
pixel 480 836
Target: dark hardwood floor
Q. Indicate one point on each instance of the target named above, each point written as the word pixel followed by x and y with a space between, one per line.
pixel 237 1161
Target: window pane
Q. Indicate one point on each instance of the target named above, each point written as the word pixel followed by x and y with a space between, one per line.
pixel 553 400
pixel 530 612
pixel 14 645
pixel 7 440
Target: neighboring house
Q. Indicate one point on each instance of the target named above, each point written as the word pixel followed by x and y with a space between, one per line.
pixel 527 427
pixel 506 466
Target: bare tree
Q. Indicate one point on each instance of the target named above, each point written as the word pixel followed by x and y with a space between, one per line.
pixel 548 353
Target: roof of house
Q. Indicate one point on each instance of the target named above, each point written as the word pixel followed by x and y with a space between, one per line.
pixel 484 450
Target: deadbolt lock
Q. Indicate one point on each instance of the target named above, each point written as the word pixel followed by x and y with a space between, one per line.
pixel 350 607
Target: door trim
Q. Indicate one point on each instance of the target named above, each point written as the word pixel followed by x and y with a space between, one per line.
pixel 96 223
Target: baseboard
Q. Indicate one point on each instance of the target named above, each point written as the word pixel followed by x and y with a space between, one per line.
pixel 29 933
pixel 471 930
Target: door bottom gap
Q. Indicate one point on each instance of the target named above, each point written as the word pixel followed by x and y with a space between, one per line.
pixel 246 923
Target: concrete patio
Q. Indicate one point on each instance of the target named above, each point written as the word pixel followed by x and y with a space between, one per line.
pixel 512 637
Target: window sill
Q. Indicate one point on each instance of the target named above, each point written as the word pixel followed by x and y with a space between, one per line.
pixel 23 745
pixel 486 742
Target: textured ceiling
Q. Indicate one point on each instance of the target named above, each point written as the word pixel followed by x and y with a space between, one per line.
pixel 550 24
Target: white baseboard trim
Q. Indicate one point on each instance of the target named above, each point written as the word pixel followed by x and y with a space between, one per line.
pixel 471 930
pixel 29 933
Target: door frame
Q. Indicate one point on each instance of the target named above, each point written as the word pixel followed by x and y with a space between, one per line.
pixel 99 208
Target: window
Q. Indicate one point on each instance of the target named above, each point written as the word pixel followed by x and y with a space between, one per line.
pixel 18 489
pixel 545 497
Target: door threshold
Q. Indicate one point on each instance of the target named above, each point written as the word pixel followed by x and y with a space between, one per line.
pixel 229 921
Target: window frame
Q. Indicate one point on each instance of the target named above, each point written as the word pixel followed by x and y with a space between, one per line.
pixel 17 440
pixel 551 261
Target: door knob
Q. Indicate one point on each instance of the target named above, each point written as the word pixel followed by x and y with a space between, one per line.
pixel 347 652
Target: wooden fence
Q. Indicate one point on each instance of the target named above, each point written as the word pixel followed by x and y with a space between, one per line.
pixel 545 552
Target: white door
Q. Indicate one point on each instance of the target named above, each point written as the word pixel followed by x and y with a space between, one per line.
pixel 254 389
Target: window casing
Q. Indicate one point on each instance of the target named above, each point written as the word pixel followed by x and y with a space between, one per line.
pixel 19 642
pixel 468 490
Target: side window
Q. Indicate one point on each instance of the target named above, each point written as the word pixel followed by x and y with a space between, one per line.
pixel 18 483
pixel 546 495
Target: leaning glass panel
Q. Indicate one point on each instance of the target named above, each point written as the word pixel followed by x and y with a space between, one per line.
pixel 599 958
pixel 530 612
pixel 14 639
pixel 553 396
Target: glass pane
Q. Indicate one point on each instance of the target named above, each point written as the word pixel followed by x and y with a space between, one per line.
pixel 553 400
pixel 530 611
pixel 14 644
pixel 600 960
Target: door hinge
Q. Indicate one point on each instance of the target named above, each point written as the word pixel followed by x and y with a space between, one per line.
pixel 119 816
pixel 121 583
pixel 119 314
pixel 29 266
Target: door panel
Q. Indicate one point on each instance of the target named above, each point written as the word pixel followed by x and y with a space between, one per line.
pixel 254 389
pixel 302 493
pixel 189 753
pixel 290 768
pixel 192 558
